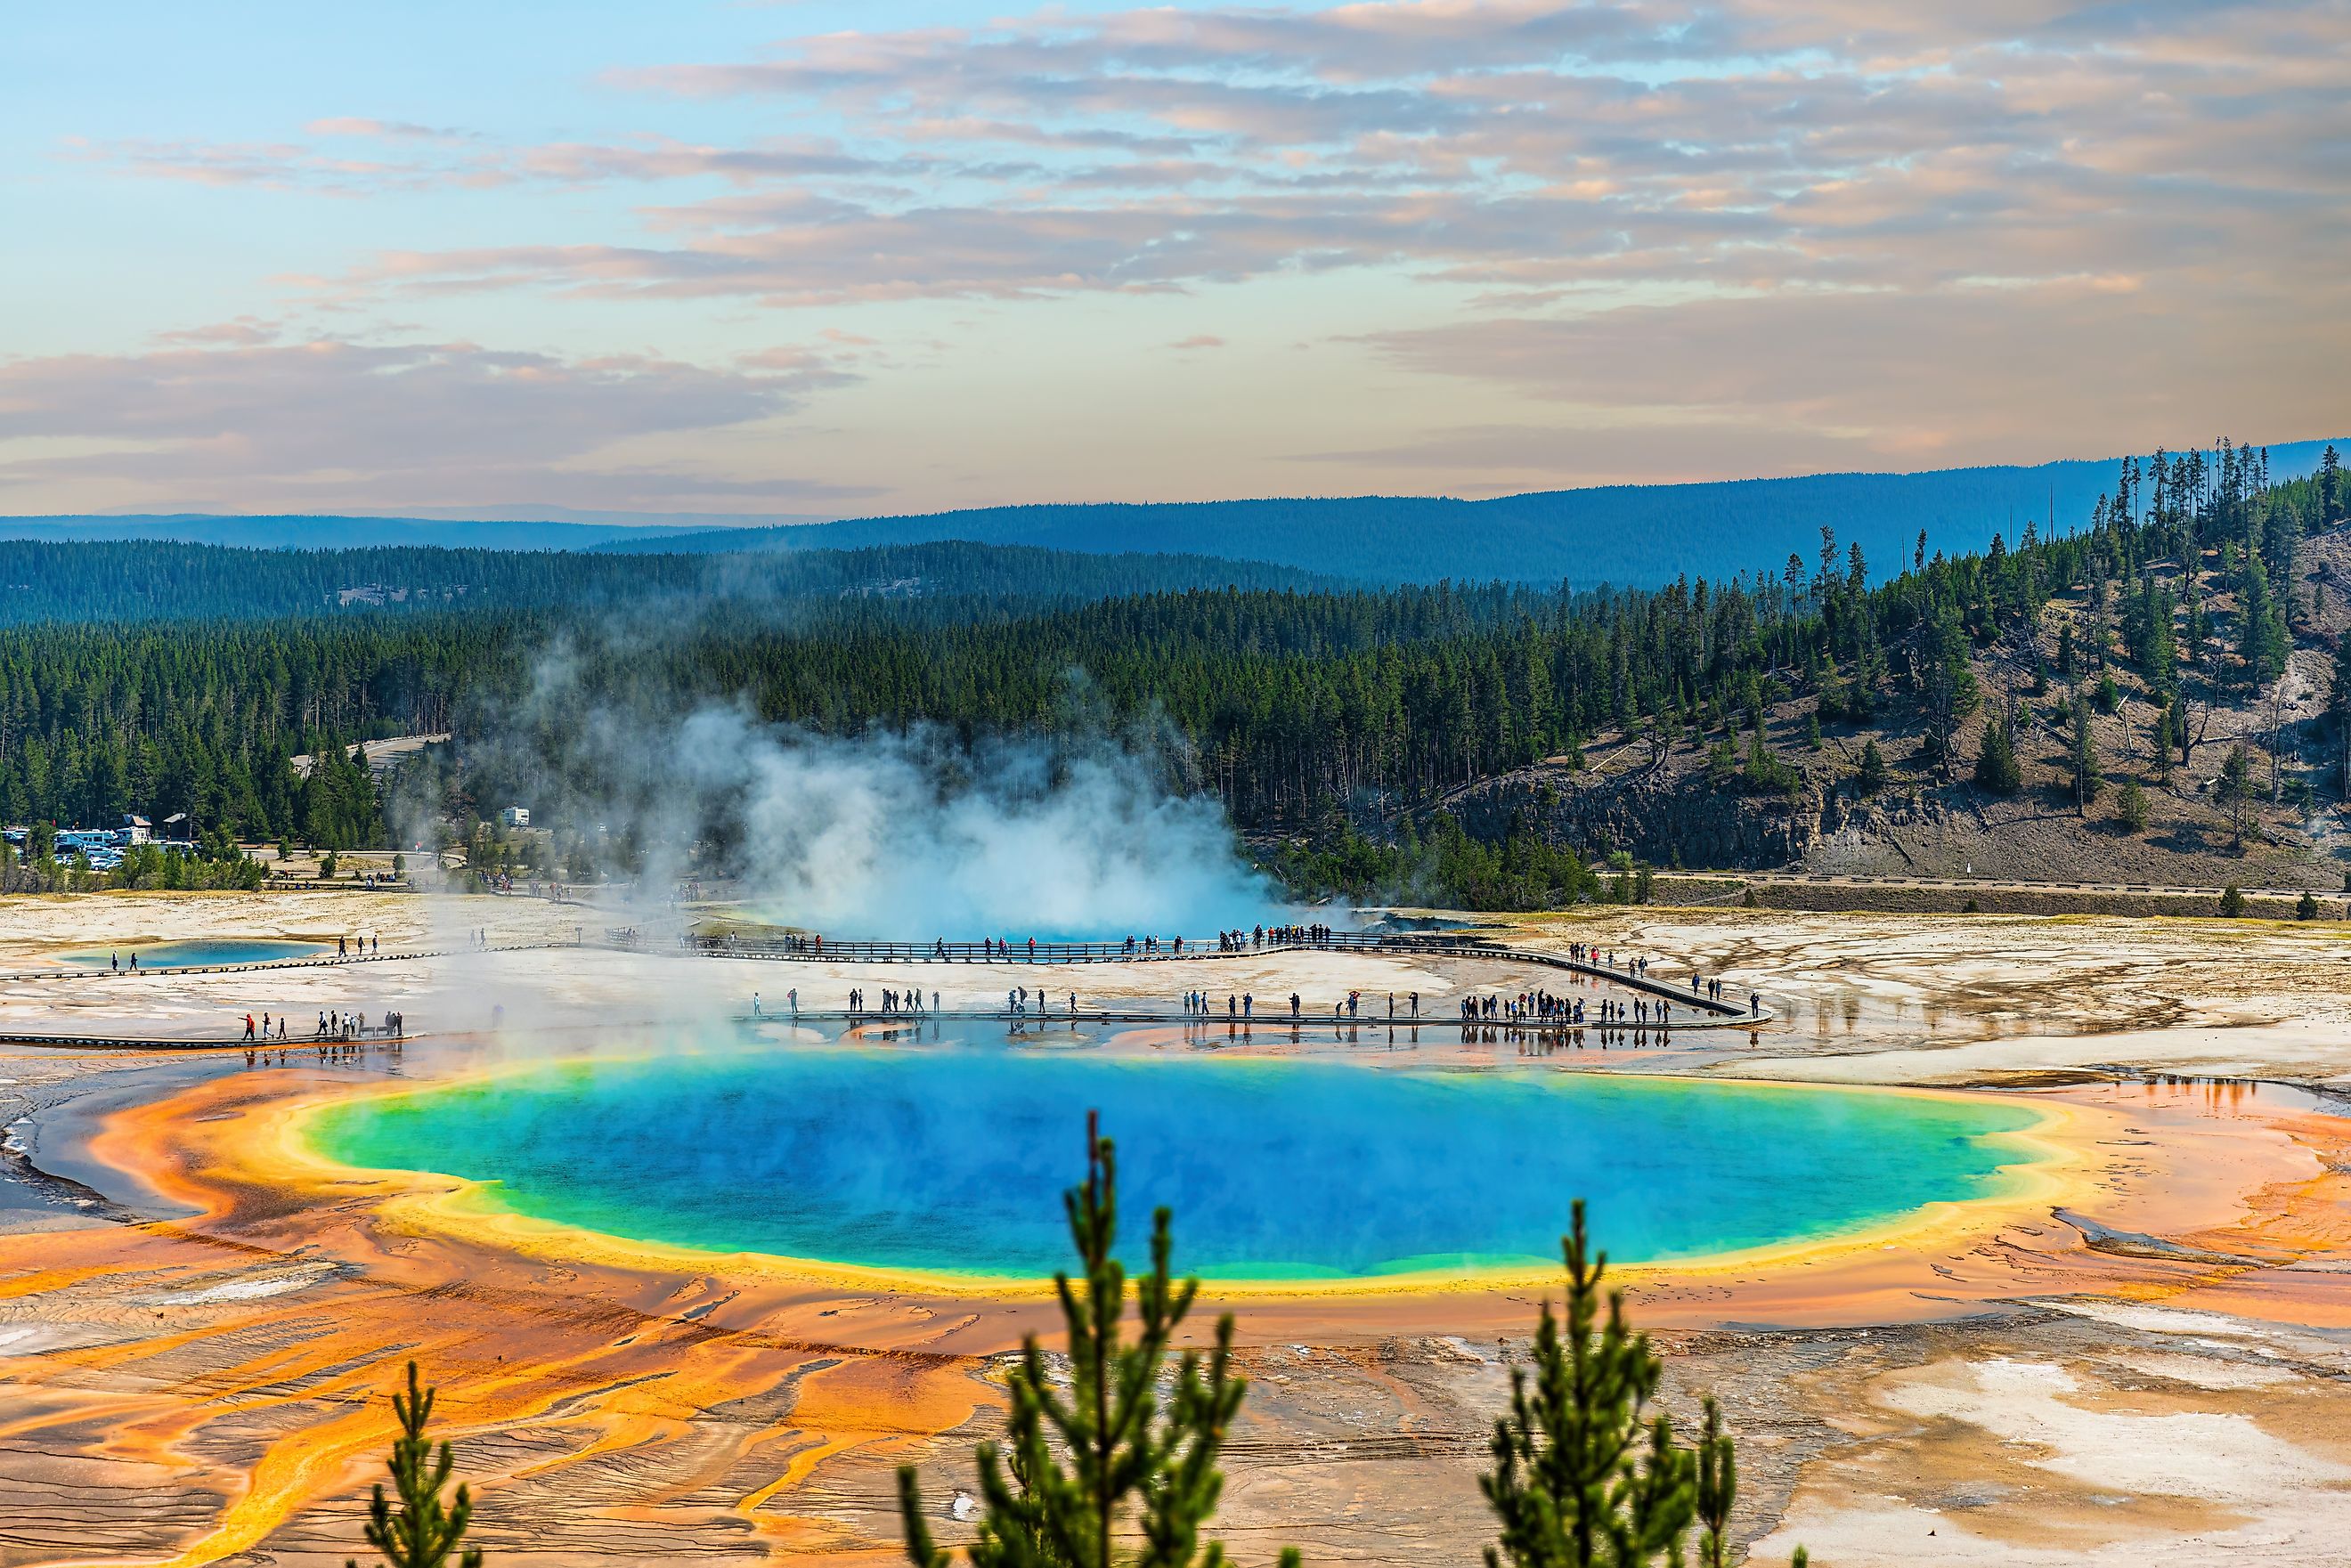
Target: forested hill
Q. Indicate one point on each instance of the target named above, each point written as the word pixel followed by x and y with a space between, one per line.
pixel 946 580
pixel 1631 536
pixel 2188 654
pixel 1343 721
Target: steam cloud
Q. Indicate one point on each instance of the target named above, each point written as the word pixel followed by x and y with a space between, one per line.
pixel 1083 833
pixel 908 836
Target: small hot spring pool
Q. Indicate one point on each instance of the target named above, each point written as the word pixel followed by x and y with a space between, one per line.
pixel 954 1161
pixel 198 953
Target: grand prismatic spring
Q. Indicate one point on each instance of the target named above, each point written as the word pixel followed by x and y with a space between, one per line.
pixel 695 1282
pixel 947 1162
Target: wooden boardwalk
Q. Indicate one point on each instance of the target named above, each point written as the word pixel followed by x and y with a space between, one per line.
pixel 237 1042
pixel 1216 1021
pixel 1708 1013
pixel 1728 1010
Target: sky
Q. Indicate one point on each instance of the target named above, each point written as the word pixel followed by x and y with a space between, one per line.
pixel 816 259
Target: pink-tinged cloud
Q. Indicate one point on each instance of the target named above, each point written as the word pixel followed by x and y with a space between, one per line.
pixel 1518 145
pixel 428 423
pixel 1944 230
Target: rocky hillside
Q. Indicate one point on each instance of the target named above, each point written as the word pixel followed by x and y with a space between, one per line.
pixel 1697 802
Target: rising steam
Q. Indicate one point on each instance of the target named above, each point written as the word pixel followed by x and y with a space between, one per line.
pixel 905 835
pixel 1086 832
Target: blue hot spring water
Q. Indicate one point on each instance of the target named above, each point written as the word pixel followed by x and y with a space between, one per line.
pixel 953 1161
pixel 199 952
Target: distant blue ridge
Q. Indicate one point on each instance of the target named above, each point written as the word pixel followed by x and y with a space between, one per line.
pixel 1627 535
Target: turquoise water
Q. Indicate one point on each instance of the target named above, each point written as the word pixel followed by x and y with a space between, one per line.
pixel 199 952
pixel 954 1161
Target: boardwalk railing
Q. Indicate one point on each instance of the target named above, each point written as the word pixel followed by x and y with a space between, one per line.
pixel 1451 944
pixel 943 951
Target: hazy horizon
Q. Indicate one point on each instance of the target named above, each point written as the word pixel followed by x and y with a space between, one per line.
pixel 680 520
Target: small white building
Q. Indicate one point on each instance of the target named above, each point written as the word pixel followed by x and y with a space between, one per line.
pixel 515 817
pixel 136 829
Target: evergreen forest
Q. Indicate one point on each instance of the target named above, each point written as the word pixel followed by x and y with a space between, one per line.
pixel 1333 720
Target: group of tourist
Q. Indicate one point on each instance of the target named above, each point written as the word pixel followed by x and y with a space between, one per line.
pixel 906 1001
pixel 332 1026
pixel 354 1025
pixel 1638 969
pixel 1242 1007
pixel 1018 999
pixel 348 946
pixel 1259 935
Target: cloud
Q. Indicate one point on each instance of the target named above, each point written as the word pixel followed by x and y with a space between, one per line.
pixel 1602 446
pixel 1198 340
pixel 422 158
pixel 1519 145
pixel 388 129
pixel 222 416
pixel 1513 144
pixel 1678 233
pixel 1983 373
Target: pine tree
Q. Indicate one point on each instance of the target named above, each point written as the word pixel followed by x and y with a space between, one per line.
pixel 2234 789
pixel 2130 805
pixel 1718 1488
pixel 1872 777
pixel 1948 686
pixel 1130 1464
pixel 1584 1475
pixel 1997 769
pixel 421 1533
pixel 2081 758
pixel 2265 641
pixel 2331 498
